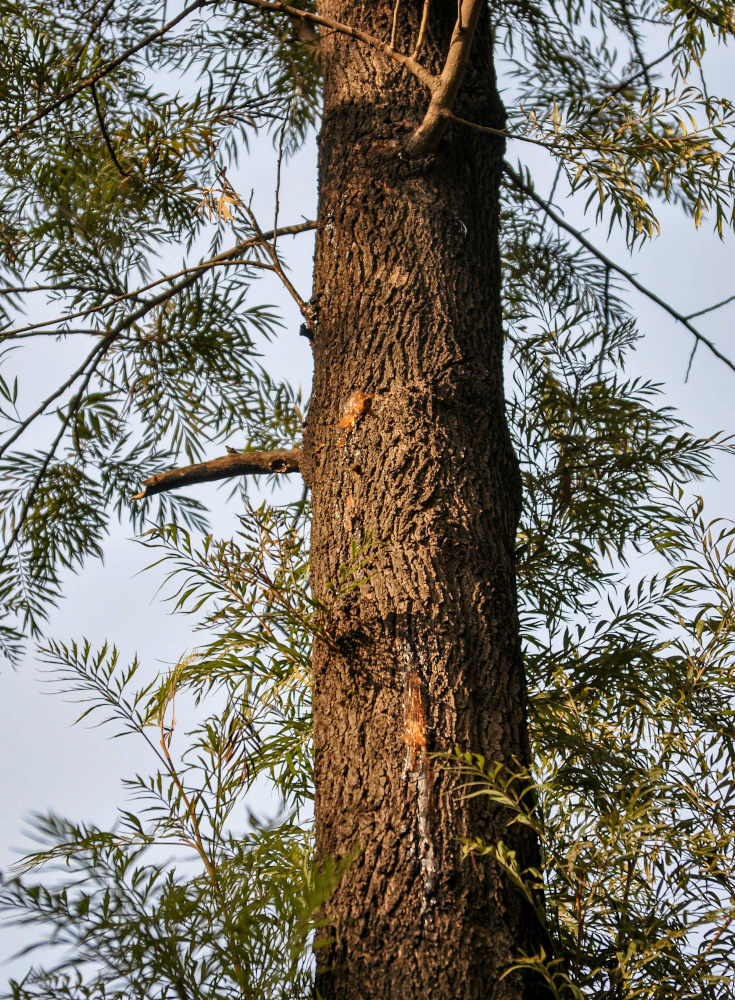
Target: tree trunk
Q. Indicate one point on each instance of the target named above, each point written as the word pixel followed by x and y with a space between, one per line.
pixel 407 453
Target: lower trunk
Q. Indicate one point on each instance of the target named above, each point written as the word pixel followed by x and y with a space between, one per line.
pixel 408 456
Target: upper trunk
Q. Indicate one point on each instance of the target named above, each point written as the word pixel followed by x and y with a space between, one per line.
pixel 424 656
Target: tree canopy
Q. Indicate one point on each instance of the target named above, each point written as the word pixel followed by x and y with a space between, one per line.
pixel 125 135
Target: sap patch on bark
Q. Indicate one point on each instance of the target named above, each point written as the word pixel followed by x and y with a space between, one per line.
pixel 356 406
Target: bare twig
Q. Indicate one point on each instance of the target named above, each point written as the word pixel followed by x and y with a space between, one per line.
pixel 444 88
pixel 246 463
pixel 105 133
pixel 422 30
pixel 270 249
pixel 279 166
pixel 709 309
pixel 394 29
pixel 227 256
pixel 636 42
pixel 630 278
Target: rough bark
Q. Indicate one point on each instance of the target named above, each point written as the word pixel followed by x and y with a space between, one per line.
pixel 407 452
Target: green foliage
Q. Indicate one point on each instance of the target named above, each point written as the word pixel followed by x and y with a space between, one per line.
pixel 190 895
pixel 620 136
pixel 99 184
pixel 631 791
pixel 630 673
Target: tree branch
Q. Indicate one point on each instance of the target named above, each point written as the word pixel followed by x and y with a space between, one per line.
pixel 709 309
pixel 106 134
pixel 196 270
pixel 408 62
pixel 630 278
pixel 445 87
pixel 248 463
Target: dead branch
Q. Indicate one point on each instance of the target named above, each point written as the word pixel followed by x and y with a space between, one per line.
pixel 248 463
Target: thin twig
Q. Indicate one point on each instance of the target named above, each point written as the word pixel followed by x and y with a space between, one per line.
pixel 26 289
pixel 709 309
pixel 563 143
pixel 278 267
pixel 279 165
pixel 422 30
pixel 394 29
pixel 555 217
pixel 225 257
pixel 635 39
pixel 247 463
pixel 105 134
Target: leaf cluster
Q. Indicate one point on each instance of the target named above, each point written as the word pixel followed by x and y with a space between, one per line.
pixel 190 894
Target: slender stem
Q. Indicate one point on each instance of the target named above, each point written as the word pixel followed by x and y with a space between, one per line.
pixel 394 29
pixel 105 133
pixel 270 249
pixel 198 844
pixel 630 278
pixel 709 309
pixel 422 30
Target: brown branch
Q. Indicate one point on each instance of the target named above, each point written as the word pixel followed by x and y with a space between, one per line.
pixel 630 278
pixel 248 463
pixel 445 87
pixel 422 30
pixel 339 27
